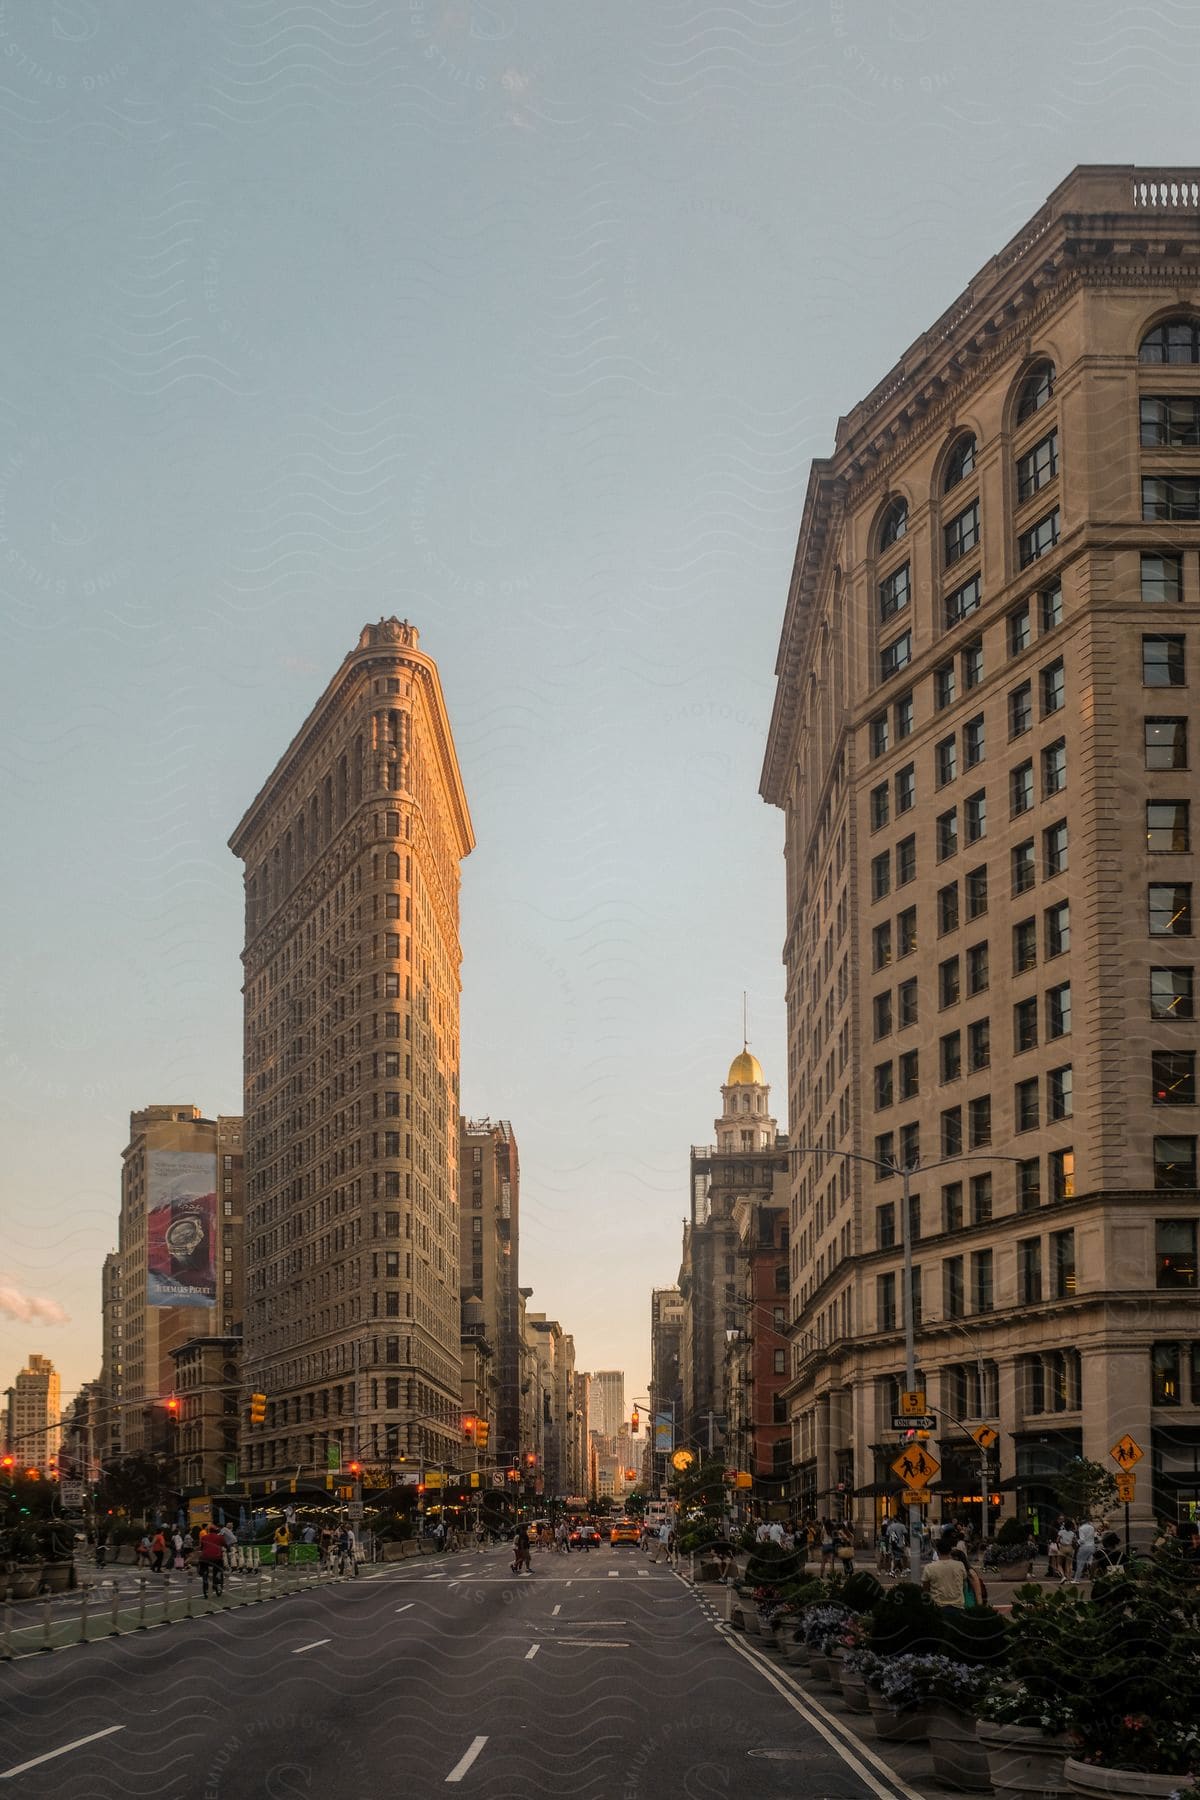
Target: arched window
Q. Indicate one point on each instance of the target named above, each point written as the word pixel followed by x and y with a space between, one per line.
pixel 393 866
pixel 894 524
pixel 961 462
pixel 1174 341
pixel 1036 390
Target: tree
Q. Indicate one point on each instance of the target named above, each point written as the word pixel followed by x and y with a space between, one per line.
pixel 1085 1489
pixel 138 1484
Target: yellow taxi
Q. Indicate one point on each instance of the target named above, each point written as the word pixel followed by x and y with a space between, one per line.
pixel 625 1531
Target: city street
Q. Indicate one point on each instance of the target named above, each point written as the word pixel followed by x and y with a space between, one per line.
pixel 599 1675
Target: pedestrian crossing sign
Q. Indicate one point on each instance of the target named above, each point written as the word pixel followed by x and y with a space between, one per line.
pixel 915 1467
pixel 1126 1452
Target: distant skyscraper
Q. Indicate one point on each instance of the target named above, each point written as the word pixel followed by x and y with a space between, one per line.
pixel 33 1414
pixel 352 851
pixel 608 1402
pixel 489 1214
pixel 180 1264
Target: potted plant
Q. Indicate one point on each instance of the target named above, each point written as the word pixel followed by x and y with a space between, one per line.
pixel 952 1693
pixel 821 1625
pixel 1025 1720
pixel 896 1697
pixel 858 1664
pixel 1010 1556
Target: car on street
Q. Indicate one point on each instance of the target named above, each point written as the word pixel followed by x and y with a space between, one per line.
pixel 585 1537
pixel 625 1531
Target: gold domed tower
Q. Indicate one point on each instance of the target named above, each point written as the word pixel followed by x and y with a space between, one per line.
pixel 745 1123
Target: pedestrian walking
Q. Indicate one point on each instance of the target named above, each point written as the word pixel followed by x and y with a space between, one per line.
pixel 228 1545
pixel 1063 1553
pixel 827 1546
pixel 945 1580
pixel 521 1557
pixel 974 1591
pixel 1085 1549
pixel 845 1549
pixel 212 1561
pixel 141 1554
pixel 282 1541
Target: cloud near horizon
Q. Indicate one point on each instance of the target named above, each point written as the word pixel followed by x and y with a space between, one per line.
pixel 30 1309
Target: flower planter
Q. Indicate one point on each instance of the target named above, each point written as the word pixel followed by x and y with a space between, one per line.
pixel 1009 1572
pixel 834 1659
pixel 1118 1784
pixel 798 1654
pixel 959 1760
pixel 818 1666
pixel 907 1727
pixel 1023 1761
pixel 854 1692
pixel 753 1618
pixel 25 1581
pixel 56 1577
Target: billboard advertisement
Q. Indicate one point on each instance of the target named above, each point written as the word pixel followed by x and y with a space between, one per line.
pixel 664 1434
pixel 181 1228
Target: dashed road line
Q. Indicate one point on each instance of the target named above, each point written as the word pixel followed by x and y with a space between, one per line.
pixel 407 1607
pixel 49 1755
pixel 532 1652
pixel 316 1645
pixel 464 1762
pixel 557 1609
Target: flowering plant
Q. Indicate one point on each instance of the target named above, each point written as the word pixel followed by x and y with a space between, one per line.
pixel 910 1681
pixel 1141 1741
pixel 1015 1703
pixel 821 1627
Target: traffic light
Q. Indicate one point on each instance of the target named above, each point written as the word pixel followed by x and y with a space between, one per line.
pixel 258 1409
pixel 354 1469
pixel 530 1459
pixel 8 1462
pixel 483 1432
pixel 469 1425
pixel 634 1422
pixel 172 1406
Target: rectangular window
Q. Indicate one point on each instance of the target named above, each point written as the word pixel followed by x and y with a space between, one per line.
pixel 1029 1184
pixel 1162 579
pixel 903 716
pixel 947 834
pixel 1025 1105
pixel 885 1302
pixel 894 592
pixel 952 1134
pixel 910 1074
pixel 1062 1264
pixel 1054 768
pixel 972 664
pixel 1017 630
pixel 906 931
pixel 976 892
pixel 885 1153
pixel 1050 606
pixel 1170 908
pixel 950 1056
pixel 1029 1270
pixel 963 602
pixel 885 1226
pixel 952 1206
pixel 1174 1162
pixel 981 1281
pixel 1173 1077
pixel 1170 497
pixel 1054 849
pixel 1171 994
pixel 979 1045
pixel 1168 825
pixel 1165 1385
pixel 906 861
pixel 1020 709
pixel 943 686
pixel 910 1146
pixel 1024 946
pixel 1058 929
pixel 948 981
pixel 1058 1010
pixel 977 969
pixel 881 945
pixel 879 734
pixel 1054 687
pixel 1060 1093
pixel 1175 1252
pixel 975 816
pixel 1162 661
pixel 880 806
pixel 1025 1024
pixel 895 656
pixel 973 742
pixel 906 1003
pixel 1039 539
pixel 979 1123
pixel 1020 789
pixel 1170 422
pixel 953 1296
pixel 1024 867
pixel 1037 468
pixel 881 875
pixel 883 1015
pixel 945 761
pixel 906 788
pixel 1062 1174
pixel 883 1085
pixel 947 909
pixel 962 533
pixel 1166 743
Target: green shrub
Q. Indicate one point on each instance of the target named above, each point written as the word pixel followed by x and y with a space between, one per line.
pixel 861 1592
pixel 906 1621
pixel 1013 1531
pixel 978 1637
pixel 773 1564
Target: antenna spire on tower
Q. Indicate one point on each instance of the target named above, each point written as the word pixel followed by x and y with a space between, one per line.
pixel 745 1026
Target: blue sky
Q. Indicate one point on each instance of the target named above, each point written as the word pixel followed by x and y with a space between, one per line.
pixel 522 322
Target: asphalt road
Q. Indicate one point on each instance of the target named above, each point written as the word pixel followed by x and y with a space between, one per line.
pixel 598 1677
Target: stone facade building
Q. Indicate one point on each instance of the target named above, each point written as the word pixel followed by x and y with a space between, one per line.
pixel 984 742
pixel 489 1211
pixel 32 1426
pixel 208 1386
pixel 666 1386
pixel 757 1351
pixel 352 977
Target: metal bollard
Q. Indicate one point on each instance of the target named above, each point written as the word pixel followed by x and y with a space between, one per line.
pixel 258 1594
pixel 8 1649
pixel 114 1629
pixel 46 1644
pixel 84 1591
pixel 141 1623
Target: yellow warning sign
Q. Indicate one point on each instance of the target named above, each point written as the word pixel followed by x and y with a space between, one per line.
pixel 916 1467
pixel 1126 1451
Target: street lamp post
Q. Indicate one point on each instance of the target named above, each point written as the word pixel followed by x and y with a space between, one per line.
pixel 910 1345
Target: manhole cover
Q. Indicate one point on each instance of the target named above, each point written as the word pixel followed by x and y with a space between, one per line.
pixel 777 1755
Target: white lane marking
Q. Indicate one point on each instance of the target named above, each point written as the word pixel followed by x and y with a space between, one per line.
pixel 590 1644
pixel 407 1607
pixel 644 1572
pixel 532 1652
pixel 313 1646
pixel 557 1610
pixel 568 1584
pixel 464 1762
pixel 613 1573
pixel 49 1755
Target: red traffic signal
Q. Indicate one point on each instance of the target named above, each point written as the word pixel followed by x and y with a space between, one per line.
pixel 173 1406
pixel 355 1469
pixel 7 1462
